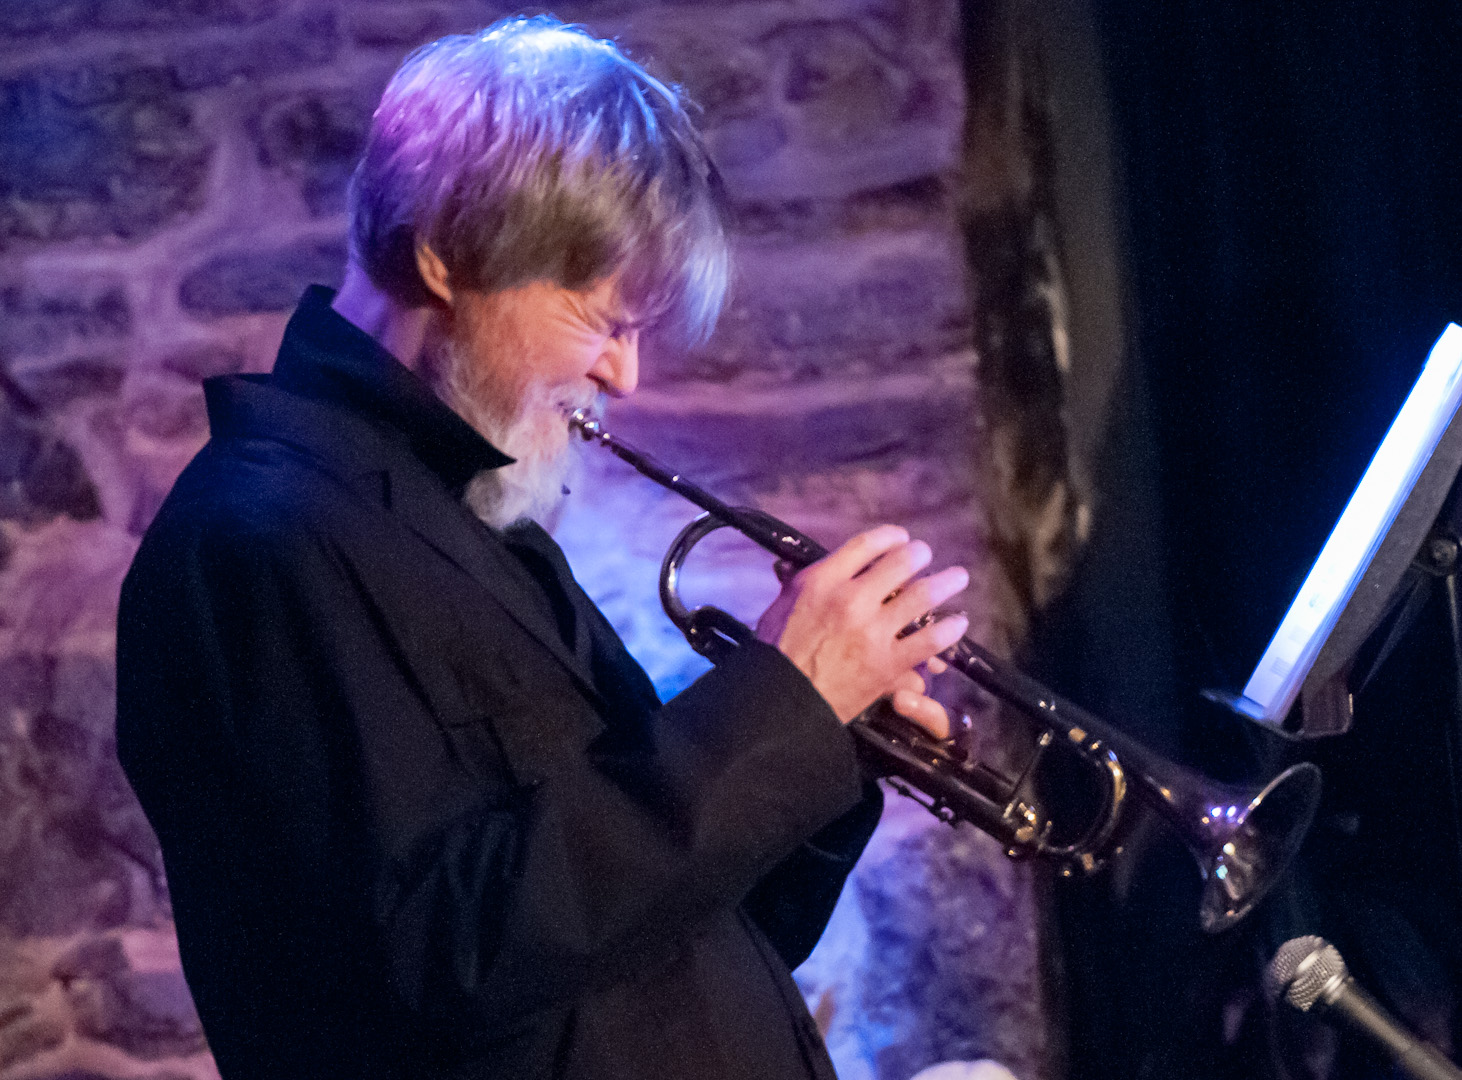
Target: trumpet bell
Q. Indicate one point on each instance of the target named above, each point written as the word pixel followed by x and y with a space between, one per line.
pixel 1242 848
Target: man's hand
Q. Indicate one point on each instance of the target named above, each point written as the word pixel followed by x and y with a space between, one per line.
pixel 839 619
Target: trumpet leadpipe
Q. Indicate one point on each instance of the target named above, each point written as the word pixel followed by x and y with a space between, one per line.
pixel 776 537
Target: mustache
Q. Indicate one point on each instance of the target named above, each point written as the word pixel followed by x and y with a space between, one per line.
pixel 590 402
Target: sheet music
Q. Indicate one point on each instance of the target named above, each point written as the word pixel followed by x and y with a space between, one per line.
pixel 1373 507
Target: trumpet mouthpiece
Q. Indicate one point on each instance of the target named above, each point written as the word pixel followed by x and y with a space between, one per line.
pixel 583 421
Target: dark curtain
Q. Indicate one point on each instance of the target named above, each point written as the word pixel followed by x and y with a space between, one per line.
pixel 1293 225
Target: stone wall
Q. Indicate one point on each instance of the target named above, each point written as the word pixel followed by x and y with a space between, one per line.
pixel 171 176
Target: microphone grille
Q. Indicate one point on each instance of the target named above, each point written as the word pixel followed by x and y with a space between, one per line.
pixel 1301 969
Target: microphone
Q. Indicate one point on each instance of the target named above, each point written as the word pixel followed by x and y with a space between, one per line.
pixel 1309 973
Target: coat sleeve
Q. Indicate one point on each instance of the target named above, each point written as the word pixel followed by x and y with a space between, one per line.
pixel 494 893
pixel 794 901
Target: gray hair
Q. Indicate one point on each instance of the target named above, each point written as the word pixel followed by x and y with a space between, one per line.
pixel 533 151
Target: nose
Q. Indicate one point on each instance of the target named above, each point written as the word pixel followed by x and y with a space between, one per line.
pixel 617 370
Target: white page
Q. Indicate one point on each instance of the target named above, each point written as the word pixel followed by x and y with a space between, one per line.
pixel 1378 498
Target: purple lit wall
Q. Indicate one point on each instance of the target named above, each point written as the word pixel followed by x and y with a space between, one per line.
pixel 171 174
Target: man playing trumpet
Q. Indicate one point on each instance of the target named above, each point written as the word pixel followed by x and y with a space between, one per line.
pixel 422 814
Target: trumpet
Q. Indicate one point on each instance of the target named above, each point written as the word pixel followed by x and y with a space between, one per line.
pixel 1242 837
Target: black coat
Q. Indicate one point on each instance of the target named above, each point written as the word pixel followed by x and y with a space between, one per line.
pixel 421 813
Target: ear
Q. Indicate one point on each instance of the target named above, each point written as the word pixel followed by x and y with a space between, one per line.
pixel 434 273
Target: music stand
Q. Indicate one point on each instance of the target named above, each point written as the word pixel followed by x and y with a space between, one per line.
pixel 1369 565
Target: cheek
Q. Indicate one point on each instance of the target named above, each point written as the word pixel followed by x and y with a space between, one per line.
pixel 567 357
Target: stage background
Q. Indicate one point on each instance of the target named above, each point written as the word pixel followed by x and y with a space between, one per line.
pixel 1110 300
pixel 898 347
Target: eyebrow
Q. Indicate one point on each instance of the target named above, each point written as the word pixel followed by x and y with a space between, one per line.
pixel 621 323
pixel 616 317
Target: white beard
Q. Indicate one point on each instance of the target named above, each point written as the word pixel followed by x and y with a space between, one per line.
pixel 532 430
pixel 532 487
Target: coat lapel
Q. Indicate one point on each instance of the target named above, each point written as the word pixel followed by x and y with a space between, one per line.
pixel 418 500
pixel 383 469
pixel 617 675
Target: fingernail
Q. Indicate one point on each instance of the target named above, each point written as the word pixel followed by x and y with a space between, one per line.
pixel 950 630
